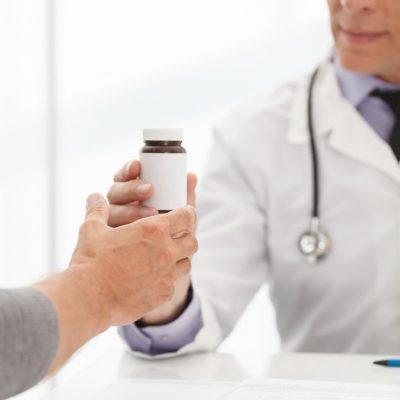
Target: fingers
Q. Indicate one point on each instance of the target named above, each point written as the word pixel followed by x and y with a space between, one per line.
pixel 131 170
pixel 125 214
pixel 97 208
pixel 180 220
pixel 186 246
pixel 183 267
pixel 191 187
pixel 128 192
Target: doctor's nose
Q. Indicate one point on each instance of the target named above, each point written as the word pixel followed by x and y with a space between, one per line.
pixel 356 6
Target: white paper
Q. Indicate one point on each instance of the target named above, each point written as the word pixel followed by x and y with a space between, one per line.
pixel 277 389
pixel 127 389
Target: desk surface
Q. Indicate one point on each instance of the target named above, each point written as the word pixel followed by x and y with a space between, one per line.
pixel 220 367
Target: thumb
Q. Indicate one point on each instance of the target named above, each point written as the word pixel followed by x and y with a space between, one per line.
pixel 97 208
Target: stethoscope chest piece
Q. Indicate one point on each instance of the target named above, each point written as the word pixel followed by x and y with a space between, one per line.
pixel 314 244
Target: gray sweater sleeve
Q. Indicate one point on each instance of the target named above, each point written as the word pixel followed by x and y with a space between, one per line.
pixel 28 339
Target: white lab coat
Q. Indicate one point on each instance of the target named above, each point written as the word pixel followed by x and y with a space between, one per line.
pixel 255 201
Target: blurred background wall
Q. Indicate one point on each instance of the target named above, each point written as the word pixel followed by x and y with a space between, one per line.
pixel 79 79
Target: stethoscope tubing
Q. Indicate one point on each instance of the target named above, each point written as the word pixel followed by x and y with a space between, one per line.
pixel 314 244
pixel 315 211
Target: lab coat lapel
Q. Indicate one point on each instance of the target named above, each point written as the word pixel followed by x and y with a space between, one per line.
pixel 348 132
pixel 354 137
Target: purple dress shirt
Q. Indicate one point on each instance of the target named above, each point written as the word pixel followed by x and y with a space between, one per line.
pixel 154 340
pixel 356 88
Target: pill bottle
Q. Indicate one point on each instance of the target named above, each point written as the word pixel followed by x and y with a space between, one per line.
pixel 164 165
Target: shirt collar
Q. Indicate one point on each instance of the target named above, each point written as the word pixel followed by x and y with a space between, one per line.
pixel 356 87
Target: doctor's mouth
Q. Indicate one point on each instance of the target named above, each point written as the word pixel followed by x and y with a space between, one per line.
pixel 355 37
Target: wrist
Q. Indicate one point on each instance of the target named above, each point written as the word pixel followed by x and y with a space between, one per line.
pixel 77 300
pixel 170 311
pixel 93 296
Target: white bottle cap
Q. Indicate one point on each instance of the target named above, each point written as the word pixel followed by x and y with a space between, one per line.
pixel 168 135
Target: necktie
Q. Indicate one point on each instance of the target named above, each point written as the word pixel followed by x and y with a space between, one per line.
pixel 392 99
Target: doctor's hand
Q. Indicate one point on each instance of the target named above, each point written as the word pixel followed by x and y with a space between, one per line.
pixel 128 192
pixel 125 197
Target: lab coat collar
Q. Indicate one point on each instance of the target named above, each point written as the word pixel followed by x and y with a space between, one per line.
pixel 327 89
pixel 356 87
pixel 336 118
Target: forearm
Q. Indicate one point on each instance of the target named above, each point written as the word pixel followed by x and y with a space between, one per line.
pixel 28 339
pixel 80 313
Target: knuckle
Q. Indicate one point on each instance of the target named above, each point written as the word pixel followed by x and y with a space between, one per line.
pixel 195 244
pixel 151 228
pixel 176 217
pixel 187 266
pixel 130 188
pixel 166 257
pixel 183 267
pixel 183 215
pixel 187 216
pixel 180 213
pixel 132 213
pixel 110 194
pixel 83 230
pixel 98 208
pixel 154 228
pixel 112 218
pixel 88 226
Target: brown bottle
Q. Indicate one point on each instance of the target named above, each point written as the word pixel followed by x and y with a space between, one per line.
pixel 164 165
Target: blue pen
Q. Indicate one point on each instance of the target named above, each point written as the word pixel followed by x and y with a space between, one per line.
pixel 388 363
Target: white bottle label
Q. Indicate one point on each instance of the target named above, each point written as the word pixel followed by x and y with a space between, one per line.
pixel 167 173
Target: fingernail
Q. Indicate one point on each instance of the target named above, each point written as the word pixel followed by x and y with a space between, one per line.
pixel 127 168
pixel 147 212
pixel 143 188
pixel 92 200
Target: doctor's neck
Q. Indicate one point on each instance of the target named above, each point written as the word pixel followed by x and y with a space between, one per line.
pixel 389 77
pixel 389 73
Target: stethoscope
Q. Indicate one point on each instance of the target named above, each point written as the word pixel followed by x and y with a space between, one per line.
pixel 314 244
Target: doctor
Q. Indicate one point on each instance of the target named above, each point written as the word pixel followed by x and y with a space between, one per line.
pixel 302 190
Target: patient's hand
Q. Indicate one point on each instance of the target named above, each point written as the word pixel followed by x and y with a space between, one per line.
pixel 125 197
